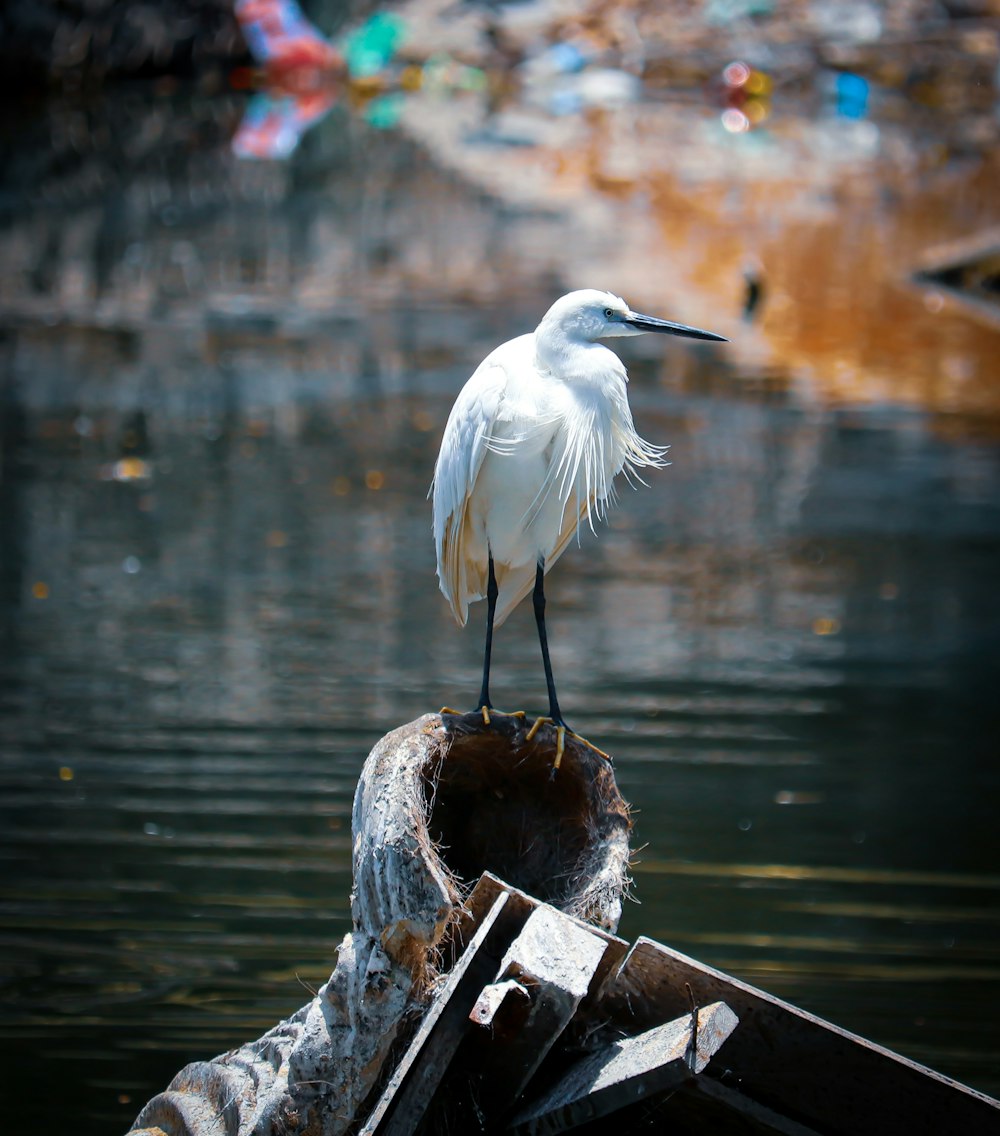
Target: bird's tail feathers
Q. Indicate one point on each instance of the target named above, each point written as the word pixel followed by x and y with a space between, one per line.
pixel 513 584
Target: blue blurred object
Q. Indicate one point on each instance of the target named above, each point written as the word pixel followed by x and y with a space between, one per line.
pixel 565 57
pixel 273 124
pixel 851 93
pixel 564 100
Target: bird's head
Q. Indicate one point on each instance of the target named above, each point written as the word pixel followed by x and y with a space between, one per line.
pixel 589 315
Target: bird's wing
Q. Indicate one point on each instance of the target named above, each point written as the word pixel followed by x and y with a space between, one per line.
pixel 468 437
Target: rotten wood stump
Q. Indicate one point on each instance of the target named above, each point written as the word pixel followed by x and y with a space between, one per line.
pixel 440 801
pixel 496 1010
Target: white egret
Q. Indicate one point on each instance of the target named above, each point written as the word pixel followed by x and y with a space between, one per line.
pixel 530 453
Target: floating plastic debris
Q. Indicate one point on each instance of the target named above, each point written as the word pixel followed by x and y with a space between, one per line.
pixel 279 35
pixel 273 125
pixel 851 93
pixel 370 48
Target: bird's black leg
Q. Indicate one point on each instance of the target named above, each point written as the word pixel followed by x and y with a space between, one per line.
pixel 538 599
pixel 555 714
pixel 491 607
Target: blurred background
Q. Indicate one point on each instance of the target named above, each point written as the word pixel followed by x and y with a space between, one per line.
pixel 250 255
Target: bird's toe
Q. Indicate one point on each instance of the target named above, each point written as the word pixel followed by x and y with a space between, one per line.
pixel 535 727
pixel 560 747
pixel 590 745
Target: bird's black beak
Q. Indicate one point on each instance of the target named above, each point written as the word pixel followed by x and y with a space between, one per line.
pixel 651 323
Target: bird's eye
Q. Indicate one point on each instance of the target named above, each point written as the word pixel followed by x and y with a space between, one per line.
pixel 609 313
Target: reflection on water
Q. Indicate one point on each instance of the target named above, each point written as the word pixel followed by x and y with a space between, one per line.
pixel 223 390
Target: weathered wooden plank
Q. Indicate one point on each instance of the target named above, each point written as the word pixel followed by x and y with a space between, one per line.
pixel 795 1063
pixel 487 888
pixel 715 1103
pixel 489 1004
pixel 418 1074
pixel 427 1059
pixel 479 902
pixel 554 949
pixel 490 886
pixel 554 958
pixel 632 1068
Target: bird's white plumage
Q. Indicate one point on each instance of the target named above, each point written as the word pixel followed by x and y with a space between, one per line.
pixel 531 450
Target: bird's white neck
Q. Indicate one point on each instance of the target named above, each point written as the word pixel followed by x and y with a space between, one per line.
pixel 566 356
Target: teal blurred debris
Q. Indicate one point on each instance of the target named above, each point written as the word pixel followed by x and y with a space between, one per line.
pixel 384 111
pixel 732 11
pixel 374 45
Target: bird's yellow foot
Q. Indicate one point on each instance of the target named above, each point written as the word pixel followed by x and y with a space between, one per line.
pixel 488 710
pixel 560 746
pixel 488 713
pixel 590 745
pixel 561 732
pixel 539 722
pixel 560 738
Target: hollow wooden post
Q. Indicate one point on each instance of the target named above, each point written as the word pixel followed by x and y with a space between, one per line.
pixel 440 801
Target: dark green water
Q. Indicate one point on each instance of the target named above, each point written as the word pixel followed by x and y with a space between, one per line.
pixel 223 389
